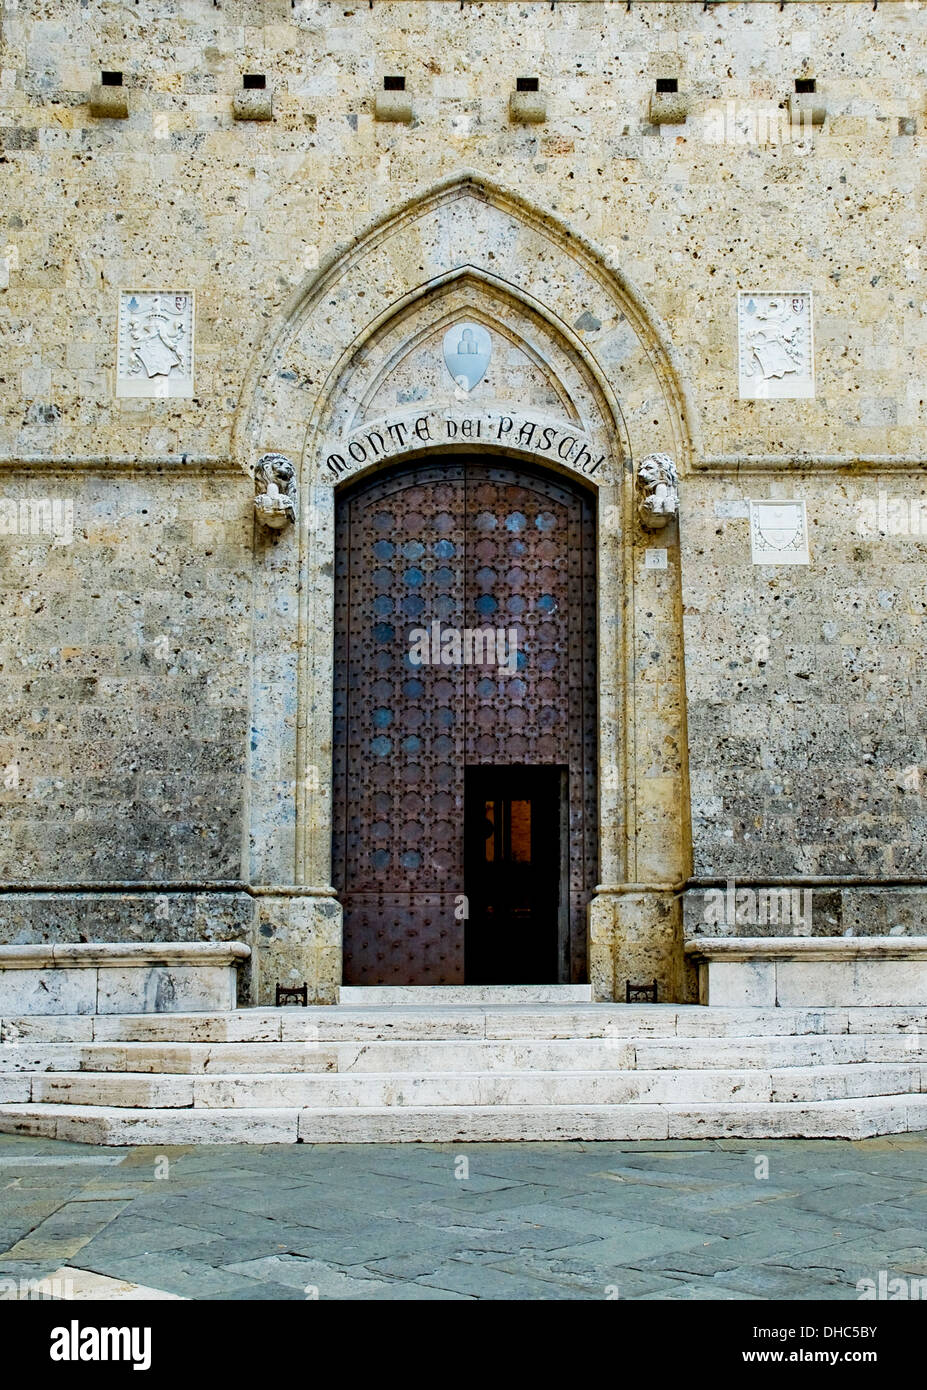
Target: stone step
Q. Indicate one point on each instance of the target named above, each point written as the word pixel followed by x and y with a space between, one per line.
pixel 828 1119
pixel 438 1055
pixel 429 996
pixel 339 1023
pixel 538 1088
pixel 805 1050
pixel 464 1055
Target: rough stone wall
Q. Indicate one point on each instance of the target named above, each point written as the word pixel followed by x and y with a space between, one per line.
pixel 806 695
pixel 807 687
pixel 125 675
pixel 180 192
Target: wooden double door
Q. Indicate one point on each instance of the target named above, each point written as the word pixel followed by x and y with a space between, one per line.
pixel 464 840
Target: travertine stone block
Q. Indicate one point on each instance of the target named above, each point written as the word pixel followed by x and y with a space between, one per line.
pixel 832 983
pixel 807 108
pixel 253 104
pixel 393 106
pixel 636 937
pixel 668 108
pixel 528 108
pixel 48 991
pixel 297 939
pixel 167 989
pixel 740 985
pixel 108 103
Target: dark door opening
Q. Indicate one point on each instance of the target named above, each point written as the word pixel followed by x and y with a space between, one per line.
pixel 514 875
pixel 495 565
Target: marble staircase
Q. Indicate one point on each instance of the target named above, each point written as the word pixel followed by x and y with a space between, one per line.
pixel 452 1066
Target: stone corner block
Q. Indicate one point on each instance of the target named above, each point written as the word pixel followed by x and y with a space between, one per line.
pixel 527 108
pixel 393 106
pixel 636 936
pixel 253 104
pixel 297 940
pixel 109 103
pixel 806 108
pixel 668 108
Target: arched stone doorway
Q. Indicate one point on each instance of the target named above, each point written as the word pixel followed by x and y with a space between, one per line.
pixel 465 843
pixel 352 381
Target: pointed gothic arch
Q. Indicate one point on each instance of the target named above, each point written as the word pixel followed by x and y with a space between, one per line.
pixel 354 359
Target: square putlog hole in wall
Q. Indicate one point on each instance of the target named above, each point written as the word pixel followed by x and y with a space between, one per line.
pixel 527 104
pixel 108 97
pixel 394 103
pixel 254 101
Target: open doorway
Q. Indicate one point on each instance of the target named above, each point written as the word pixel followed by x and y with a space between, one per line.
pixel 516 875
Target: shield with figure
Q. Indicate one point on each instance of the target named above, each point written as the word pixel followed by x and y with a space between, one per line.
pixel 467 350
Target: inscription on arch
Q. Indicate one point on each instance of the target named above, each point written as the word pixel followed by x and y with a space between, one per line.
pixel 556 441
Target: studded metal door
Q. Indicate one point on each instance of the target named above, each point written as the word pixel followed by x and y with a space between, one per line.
pixel 456 546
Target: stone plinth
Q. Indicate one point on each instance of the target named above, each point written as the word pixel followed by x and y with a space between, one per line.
pixel 103 978
pixel 297 940
pixel 636 936
pixel 793 972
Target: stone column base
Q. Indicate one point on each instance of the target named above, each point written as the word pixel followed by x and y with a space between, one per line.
pixel 636 934
pixel 297 940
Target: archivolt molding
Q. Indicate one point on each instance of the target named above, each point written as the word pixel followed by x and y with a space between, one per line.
pixel 464 230
pixel 394 395
pixel 464 250
pixel 570 392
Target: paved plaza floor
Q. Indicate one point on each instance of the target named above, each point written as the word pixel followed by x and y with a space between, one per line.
pixel 730 1219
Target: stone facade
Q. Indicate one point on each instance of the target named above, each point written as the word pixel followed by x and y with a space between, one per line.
pixel 166 661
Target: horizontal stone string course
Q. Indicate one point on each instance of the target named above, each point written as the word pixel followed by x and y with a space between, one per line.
pixel 191 463
pixel 253 890
pixel 764 463
pixel 812 948
pixel 88 954
pixel 702 463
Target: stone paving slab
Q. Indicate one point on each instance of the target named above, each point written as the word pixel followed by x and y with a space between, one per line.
pixel 314 1278
pixel 485 1281
pixel 589 1281
pixel 688 1220
pixel 85 1284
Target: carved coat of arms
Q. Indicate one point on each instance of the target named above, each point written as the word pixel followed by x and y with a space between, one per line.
pixel 776 348
pixel 155 356
pixel 778 532
pixel 467 350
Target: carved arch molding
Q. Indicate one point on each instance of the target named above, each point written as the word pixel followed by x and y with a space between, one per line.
pixel 352 381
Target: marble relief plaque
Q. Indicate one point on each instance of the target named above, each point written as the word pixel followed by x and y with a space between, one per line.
pixel 779 532
pixel 155 343
pixel 467 350
pixel 775 345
